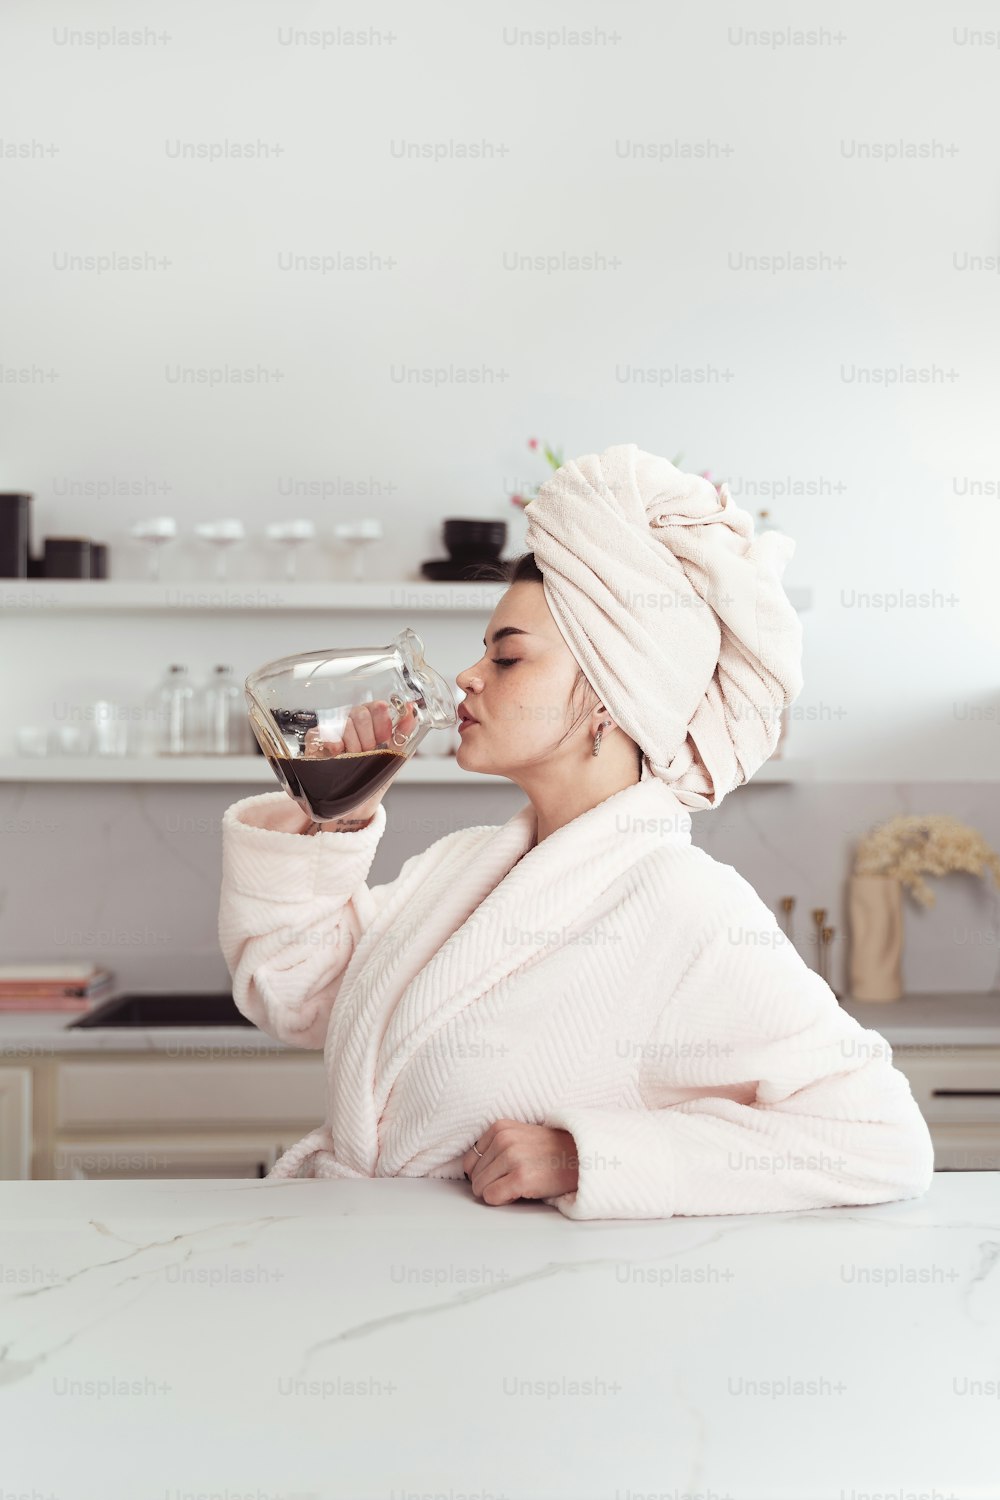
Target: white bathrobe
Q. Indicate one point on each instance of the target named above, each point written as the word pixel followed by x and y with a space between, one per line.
pixel 616 982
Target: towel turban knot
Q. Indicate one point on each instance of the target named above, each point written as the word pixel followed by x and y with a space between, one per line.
pixel 674 611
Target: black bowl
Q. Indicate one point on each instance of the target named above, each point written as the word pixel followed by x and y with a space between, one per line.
pixel 477 540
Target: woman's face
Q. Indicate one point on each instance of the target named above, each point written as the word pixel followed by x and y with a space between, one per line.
pixel 520 690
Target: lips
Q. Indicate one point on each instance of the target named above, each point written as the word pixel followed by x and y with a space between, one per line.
pixel 464 717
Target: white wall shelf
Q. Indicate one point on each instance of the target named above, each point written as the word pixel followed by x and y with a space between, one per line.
pixel 253 770
pixel 71 595
pixel 46 595
pixel 235 769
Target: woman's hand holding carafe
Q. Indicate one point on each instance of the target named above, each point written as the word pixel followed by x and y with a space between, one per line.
pixel 368 727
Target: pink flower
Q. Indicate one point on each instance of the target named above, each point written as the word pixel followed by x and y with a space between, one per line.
pixel 532 443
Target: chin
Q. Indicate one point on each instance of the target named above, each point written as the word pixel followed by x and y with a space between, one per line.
pixel 464 758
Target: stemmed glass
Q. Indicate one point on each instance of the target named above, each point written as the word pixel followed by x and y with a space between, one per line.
pixel 291 535
pixel 358 534
pixel 222 535
pixel 154 533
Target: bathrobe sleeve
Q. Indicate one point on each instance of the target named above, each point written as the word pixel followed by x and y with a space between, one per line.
pixel 763 1095
pixel 291 911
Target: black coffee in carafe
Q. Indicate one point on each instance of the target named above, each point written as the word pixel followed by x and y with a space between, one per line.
pixel 330 787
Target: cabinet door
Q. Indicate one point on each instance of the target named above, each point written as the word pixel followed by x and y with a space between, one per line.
pixel 15 1124
pixel 104 1095
pixel 165 1156
pixel 965 1148
pixel 955 1086
pixel 957 1090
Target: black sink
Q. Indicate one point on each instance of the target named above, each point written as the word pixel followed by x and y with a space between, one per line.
pixel 191 1009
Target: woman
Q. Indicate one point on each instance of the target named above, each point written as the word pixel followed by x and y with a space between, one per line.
pixel 580 1006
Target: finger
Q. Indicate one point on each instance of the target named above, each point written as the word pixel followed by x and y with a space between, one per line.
pixel 503 1189
pixel 474 1157
pixel 352 740
pixel 474 1170
pixel 381 723
pixel 494 1164
pixel 356 730
pixel 373 723
pixel 407 720
pixel 388 732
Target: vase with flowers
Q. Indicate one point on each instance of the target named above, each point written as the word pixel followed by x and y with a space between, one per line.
pixel 553 457
pixel 894 855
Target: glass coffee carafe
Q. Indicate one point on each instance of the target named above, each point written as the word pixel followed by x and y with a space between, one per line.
pixel 306 712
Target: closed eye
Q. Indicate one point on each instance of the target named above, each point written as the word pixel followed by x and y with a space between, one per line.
pixel 505 661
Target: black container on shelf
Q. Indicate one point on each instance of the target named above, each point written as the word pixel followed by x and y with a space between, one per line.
pixel 473 540
pixel 15 535
pixel 98 559
pixel 66 557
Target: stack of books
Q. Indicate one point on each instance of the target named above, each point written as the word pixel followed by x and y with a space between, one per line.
pixel 47 986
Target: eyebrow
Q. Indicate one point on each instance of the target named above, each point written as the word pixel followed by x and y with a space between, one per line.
pixel 498 635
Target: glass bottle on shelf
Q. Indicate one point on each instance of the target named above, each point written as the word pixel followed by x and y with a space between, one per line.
pixel 224 726
pixel 176 714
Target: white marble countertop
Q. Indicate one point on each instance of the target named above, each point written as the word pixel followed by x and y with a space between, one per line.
pixel 971 1020
pixel 397 1337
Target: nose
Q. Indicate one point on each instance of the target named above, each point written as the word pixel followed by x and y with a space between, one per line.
pixel 469 680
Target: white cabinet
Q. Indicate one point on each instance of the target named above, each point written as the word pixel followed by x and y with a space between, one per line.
pixel 143 1115
pixel 15 1123
pixel 958 1092
pixel 99 1094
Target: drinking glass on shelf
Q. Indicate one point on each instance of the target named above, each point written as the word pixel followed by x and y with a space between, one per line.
pixel 290 535
pixel 154 533
pixel 31 739
pixel 111 730
pixel 357 534
pixel 221 535
pixel 69 739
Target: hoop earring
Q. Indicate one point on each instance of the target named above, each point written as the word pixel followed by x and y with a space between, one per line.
pixel 597 740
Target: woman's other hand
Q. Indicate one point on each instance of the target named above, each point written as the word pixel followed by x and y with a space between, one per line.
pixel 521 1161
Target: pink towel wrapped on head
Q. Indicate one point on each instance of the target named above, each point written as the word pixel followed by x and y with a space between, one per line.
pixel 674 611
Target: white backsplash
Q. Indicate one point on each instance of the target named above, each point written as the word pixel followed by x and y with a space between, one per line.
pixel 129 875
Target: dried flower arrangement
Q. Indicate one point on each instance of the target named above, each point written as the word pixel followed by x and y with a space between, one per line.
pixel 909 847
pixel 554 459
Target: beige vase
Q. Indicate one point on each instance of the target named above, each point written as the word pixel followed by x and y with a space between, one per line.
pixel 875 911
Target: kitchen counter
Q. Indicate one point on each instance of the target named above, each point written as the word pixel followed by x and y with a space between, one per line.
pixel 936 1020
pixel 939 1020
pixel 398 1337
pixel 25 1035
